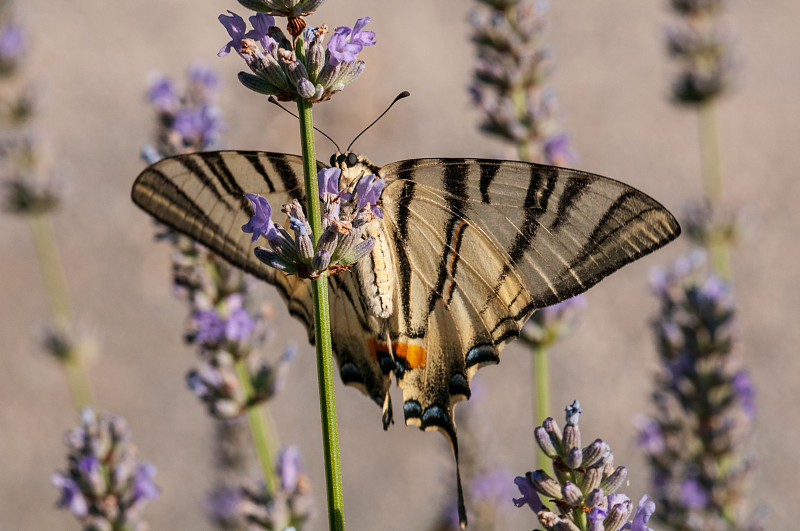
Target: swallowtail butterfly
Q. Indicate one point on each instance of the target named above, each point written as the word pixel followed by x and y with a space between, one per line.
pixel 466 251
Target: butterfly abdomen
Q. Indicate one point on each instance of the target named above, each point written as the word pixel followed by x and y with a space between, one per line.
pixel 375 273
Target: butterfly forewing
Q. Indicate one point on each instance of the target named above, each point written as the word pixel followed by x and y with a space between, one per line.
pixel 201 195
pixel 481 244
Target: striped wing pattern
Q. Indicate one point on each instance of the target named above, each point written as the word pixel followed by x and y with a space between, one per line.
pixel 481 244
pixel 201 195
pixel 476 246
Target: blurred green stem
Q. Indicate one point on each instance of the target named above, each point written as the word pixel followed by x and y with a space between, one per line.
pixel 322 329
pixel 258 428
pixel 541 383
pixel 55 287
pixel 713 182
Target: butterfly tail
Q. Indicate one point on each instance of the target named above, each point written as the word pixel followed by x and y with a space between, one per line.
pixel 462 510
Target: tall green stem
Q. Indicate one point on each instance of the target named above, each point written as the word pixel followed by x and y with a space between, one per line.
pixel 713 182
pixel 55 287
pixel 542 386
pixel 257 427
pixel 322 330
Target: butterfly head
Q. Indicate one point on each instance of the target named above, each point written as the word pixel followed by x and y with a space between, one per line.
pixel 353 167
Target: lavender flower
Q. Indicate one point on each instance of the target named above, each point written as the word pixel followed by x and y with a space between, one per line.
pixel 585 483
pixel 340 245
pixel 513 66
pixel 280 69
pixel 105 486
pixel 188 121
pixel 703 49
pixel 289 505
pixel 12 47
pixel 694 442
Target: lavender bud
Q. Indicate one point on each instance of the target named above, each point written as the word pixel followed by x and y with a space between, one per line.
pixel 306 89
pixel 593 453
pixel 617 516
pixel 274 260
pixel 591 479
pixel 574 458
pixel 358 252
pixel 321 260
pixel 551 427
pixel 572 437
pixel 257 84
pixel 611 483
pixel 544 441
pixel 571 494
pixel 544 483
pixel 594 498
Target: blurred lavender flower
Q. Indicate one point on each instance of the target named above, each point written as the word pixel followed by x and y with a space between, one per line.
pixel 585 483
pixel 313 72
pixel 341 243
pixel 290 505
pixel 548 325
pixel 12 47
pixel 105 486
pixel 704 400
pixel 186 122
pixel 709 225
pixel 513 67
pixel 703 48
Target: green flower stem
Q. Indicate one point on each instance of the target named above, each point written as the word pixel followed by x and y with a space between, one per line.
pixel 258 428
pixel 712 178
pixel 322 329
pixel 541 383
pixel 55 286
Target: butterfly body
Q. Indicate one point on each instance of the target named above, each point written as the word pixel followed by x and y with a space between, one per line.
pixel 466 250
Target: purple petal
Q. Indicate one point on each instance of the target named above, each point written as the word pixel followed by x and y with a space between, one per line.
pixel 644 511
pixel 369 190
pixel 71 496
pixel 143 486
pixel 260 224
pixel 289 467
pixel 328 181
pixel 261 24
pixel 239 325
pixel 235 26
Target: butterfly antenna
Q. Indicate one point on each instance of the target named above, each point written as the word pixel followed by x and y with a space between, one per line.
pixel 272 100
pixel 399 97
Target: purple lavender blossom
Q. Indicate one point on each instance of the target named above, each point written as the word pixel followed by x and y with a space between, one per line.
pixel 369 190
pixel 104 486
pixel 197 125
pixel 260 224
pixel 71 497
pixel 290 464
pixel 644 511
pixel 693 495
pixel 12 43
pixel 162 94
pixel 261 24
pixel 346 43
pixel 745 392
pixel 235 26
pixel 328 181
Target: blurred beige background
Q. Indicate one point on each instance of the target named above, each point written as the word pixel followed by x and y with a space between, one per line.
pixel 92 59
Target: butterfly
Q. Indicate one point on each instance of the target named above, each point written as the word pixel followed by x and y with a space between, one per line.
pixel 466 251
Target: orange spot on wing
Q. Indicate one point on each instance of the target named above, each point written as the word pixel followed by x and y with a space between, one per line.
pixel 375 347
pixel 413 354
